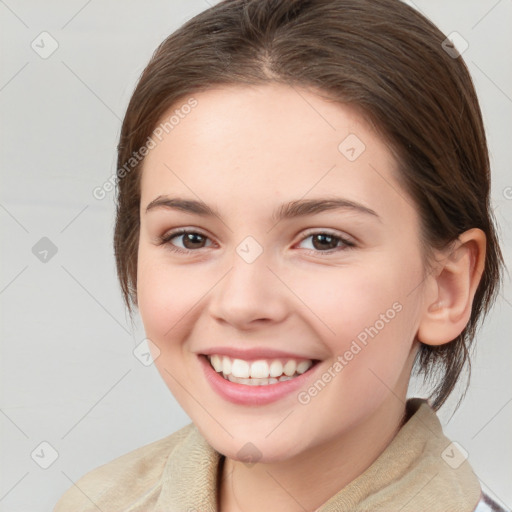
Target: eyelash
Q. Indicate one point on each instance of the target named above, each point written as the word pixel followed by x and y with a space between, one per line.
pixel 166 240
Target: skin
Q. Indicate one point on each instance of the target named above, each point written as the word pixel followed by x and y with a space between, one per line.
pixel 244 151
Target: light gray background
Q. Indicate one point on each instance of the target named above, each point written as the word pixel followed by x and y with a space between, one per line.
pixel 69 377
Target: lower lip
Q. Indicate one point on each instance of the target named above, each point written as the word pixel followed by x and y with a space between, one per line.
pixel 251 395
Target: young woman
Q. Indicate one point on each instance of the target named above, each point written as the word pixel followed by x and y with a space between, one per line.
pixel 303 218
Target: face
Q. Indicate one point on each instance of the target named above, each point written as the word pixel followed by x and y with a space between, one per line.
pixel 279 270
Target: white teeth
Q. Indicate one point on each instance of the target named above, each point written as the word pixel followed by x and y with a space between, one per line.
pixel 304 366
pixel 276 369
pixel 226 365
pixel 259 369
pixel 290 367
pixel 240 369
pixel 260 372
pixel 254 382
pixel 216 363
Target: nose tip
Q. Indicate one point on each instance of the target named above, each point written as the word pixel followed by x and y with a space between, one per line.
pixel 249 292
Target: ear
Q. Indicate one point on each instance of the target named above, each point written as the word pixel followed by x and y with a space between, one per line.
pixel 451 288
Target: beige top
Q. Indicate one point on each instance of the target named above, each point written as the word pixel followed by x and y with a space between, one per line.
pixel 420 470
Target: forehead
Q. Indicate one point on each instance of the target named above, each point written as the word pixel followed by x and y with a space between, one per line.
pixel 255 145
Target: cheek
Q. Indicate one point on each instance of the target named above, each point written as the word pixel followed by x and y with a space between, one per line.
pixel 169 296
pixel 153 296
pixel 163 296
pixel 368 320
pixel 166 297
pixel 350 299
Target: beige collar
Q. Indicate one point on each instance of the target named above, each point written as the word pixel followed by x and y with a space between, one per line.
pixel 419 471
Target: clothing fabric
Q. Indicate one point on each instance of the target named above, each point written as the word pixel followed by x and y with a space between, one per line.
pixel 420 470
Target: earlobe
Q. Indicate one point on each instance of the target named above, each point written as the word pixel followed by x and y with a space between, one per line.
pixel 451 289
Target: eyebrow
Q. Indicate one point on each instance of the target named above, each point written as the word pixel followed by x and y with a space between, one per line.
pixel 293 209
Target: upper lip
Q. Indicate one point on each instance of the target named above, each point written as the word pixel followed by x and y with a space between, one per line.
pixel 253 353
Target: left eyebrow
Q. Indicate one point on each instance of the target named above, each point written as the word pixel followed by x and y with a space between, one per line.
pixel 305 207
pixel 293 209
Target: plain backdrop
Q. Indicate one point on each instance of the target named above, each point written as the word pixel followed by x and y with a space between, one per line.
pixel 73 394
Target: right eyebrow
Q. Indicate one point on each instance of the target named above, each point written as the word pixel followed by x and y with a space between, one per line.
pixel 186 205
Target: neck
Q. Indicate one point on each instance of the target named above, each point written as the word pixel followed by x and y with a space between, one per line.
pixel 308 480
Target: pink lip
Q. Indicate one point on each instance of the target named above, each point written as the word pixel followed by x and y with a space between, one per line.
pixel 251 395
pixel 253 353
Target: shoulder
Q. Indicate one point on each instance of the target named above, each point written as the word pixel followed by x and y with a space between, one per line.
pixel 487 504
pixel 122 480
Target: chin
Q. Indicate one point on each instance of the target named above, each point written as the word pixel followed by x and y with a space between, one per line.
pixel 253 451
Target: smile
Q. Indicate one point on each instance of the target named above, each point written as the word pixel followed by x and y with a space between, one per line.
pixel 260 372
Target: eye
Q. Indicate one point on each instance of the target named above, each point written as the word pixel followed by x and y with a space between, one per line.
pixel 321 241
pixel 190 240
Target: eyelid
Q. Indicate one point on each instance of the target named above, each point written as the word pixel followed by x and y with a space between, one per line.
pixel 326 231
pixel 181 231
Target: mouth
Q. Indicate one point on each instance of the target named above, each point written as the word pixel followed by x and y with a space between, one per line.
pixel 259 372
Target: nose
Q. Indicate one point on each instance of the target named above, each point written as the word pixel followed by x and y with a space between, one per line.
pixel 249 295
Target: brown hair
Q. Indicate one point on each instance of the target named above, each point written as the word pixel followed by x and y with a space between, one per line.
pixel 380 56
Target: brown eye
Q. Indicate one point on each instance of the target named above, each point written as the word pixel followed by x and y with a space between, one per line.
pixel 185 240
pixel 193 240
pixel 324 242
